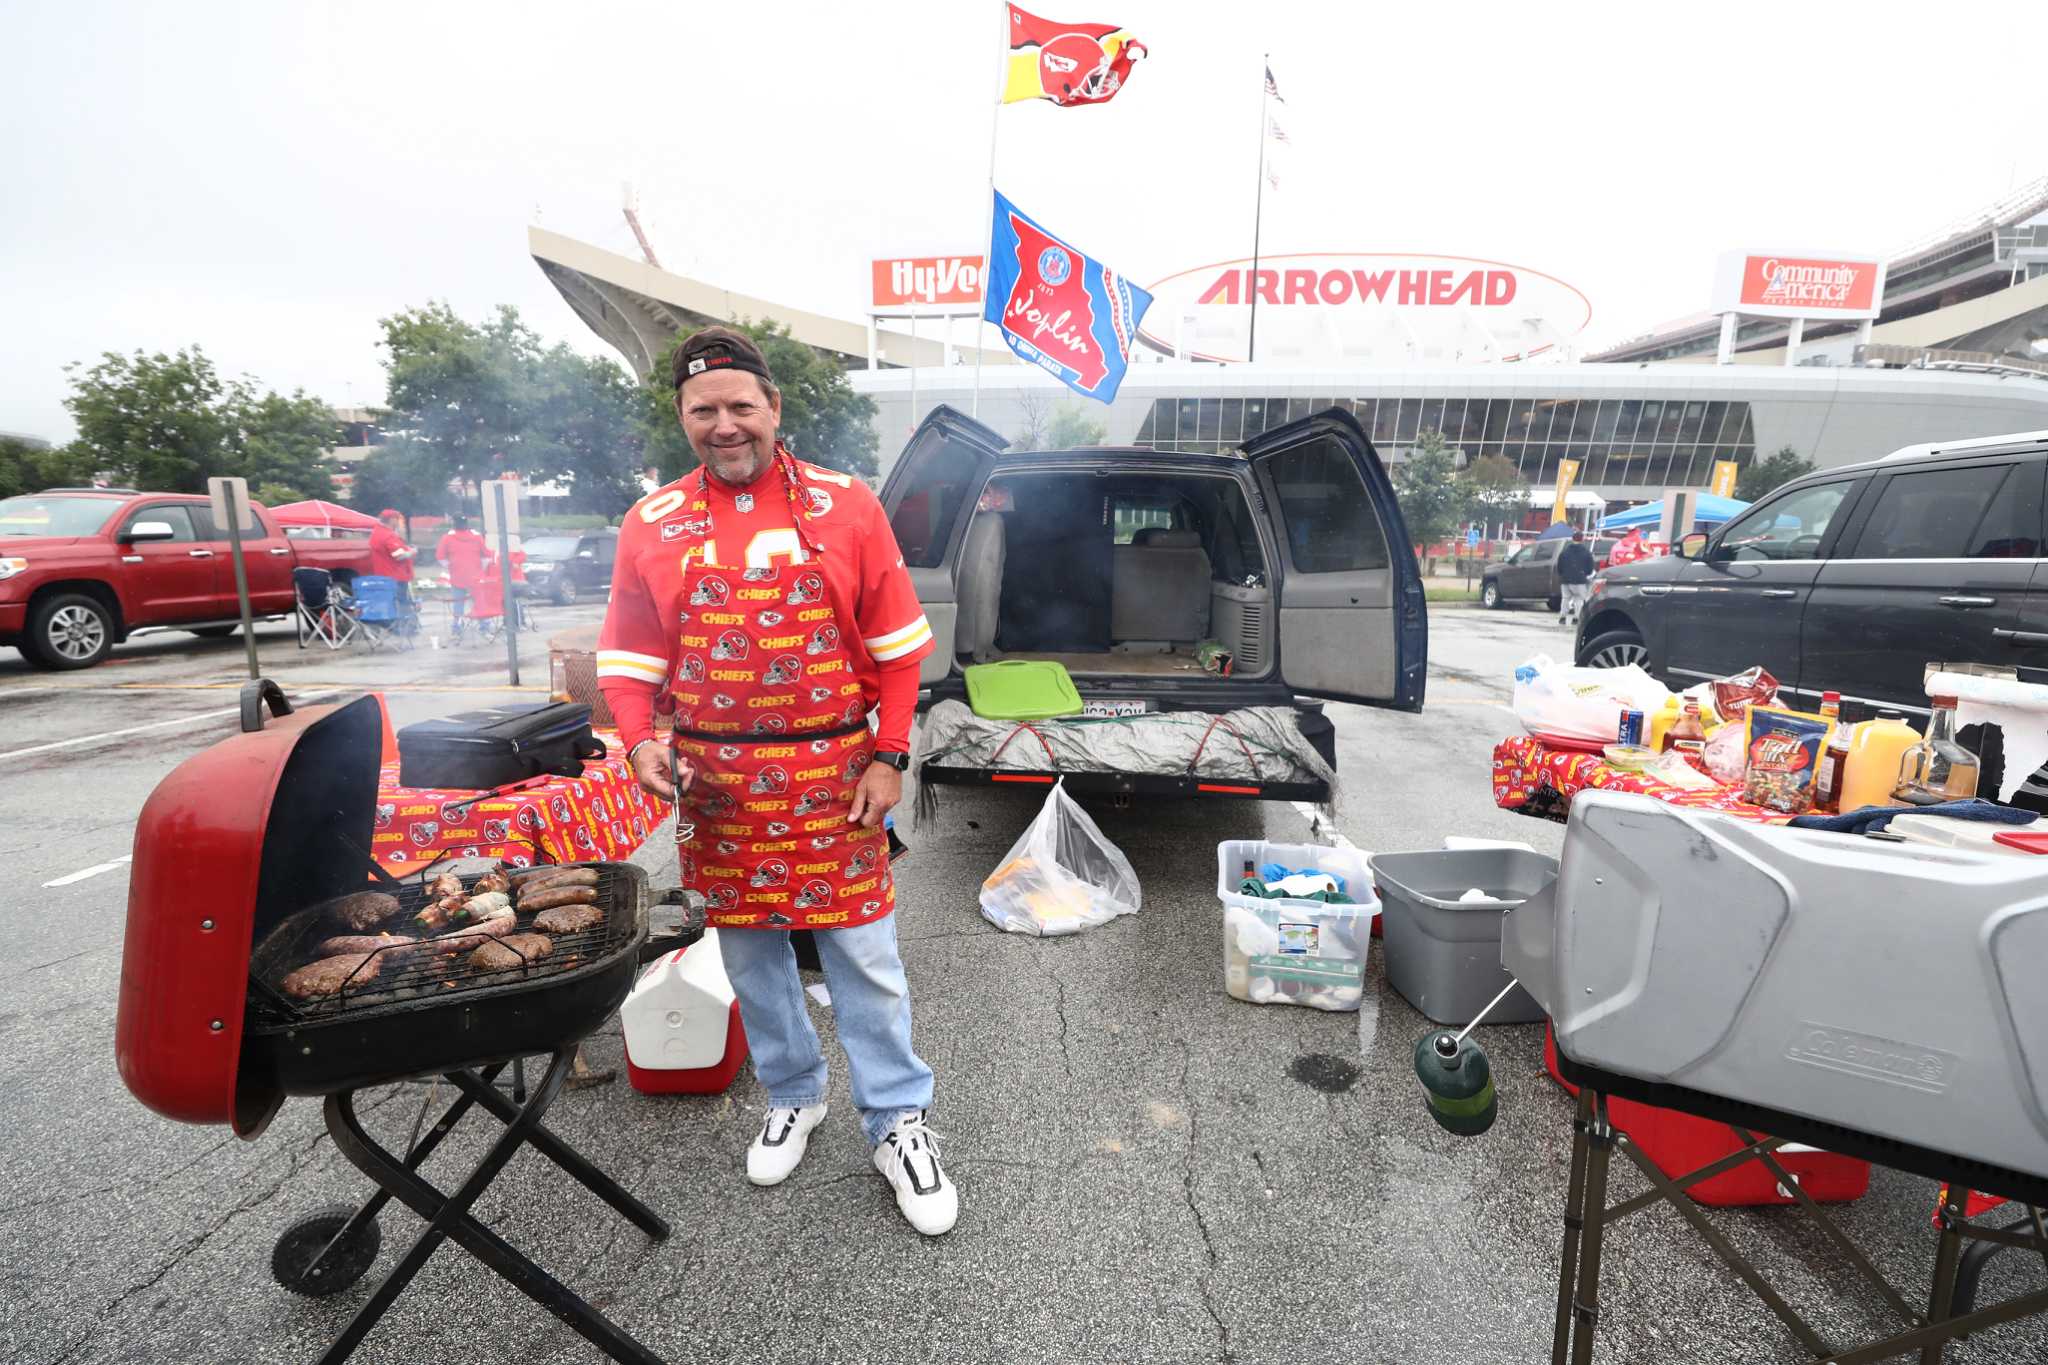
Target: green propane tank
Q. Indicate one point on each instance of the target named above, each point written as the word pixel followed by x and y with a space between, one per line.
pixel 1458 1081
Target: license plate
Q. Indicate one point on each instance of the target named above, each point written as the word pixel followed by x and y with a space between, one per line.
pixel 1103 710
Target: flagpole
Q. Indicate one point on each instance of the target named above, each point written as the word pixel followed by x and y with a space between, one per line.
pixel 995 123
pixel 1251 350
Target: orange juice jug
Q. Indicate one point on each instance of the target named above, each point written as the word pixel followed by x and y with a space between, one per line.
pixel 1876 748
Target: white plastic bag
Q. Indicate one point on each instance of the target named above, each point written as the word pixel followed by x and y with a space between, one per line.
pixel 1582 703
pixel 1727 752
pixel 1061 877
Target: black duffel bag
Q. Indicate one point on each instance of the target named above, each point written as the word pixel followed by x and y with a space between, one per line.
pixel 479 750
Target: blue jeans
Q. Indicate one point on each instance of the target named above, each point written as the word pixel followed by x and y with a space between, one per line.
pixel 870 1007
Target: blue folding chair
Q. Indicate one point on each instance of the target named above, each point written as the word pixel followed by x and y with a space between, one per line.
pixel 384 611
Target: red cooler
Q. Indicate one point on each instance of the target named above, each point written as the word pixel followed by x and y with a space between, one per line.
pixel 1679 1144
pixel 682 1024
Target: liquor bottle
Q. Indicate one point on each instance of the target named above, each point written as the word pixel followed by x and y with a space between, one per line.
pixel 1833 774
pixel 1938 768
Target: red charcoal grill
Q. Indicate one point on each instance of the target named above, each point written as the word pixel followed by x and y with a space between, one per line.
pixel 231 850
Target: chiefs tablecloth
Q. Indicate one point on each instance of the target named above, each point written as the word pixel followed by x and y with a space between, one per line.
pixel 1542 781
pixel 602 814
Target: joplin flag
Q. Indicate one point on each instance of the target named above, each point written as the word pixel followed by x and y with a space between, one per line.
pixel 1066 63
pixel 1059 310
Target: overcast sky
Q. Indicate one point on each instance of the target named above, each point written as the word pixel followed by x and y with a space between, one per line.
pixel 267 180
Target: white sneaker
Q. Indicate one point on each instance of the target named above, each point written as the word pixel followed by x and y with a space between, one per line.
pixel 785 1135
pixel 908 1158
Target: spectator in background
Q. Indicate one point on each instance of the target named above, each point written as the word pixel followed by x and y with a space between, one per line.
pixel 390 554
pixel 1575 579
pixel 461 553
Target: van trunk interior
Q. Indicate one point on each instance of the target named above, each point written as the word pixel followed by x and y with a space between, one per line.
pixel 1125 574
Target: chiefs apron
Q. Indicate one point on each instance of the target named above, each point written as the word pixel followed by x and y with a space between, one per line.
pixel 770 714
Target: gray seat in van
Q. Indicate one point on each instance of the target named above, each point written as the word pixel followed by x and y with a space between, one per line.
pixel 1159 587
pixel 980 585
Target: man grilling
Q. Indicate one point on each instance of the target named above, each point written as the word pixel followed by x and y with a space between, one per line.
pixel 749 567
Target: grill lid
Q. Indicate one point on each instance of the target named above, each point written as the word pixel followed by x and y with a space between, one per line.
pixel 234 840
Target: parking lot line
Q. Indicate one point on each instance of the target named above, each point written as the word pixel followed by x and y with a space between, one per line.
pixel 74 742
pixel 92 871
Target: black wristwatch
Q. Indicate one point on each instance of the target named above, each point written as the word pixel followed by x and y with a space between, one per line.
pixel 900 762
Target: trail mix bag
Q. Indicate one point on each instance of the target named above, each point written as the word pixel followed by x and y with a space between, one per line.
pixel 1784 755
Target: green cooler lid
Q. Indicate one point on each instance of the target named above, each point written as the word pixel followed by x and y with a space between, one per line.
pixel 1022 689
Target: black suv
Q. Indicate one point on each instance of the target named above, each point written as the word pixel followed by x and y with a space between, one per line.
pixel 1848 580
pixel 569 568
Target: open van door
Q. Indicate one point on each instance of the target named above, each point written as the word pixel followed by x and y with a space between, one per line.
pixel 1353 623
pixel 930 495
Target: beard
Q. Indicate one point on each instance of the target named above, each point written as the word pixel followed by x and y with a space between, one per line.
pixel 738 465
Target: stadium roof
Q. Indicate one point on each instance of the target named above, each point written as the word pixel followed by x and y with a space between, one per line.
pixel 1959 261
pixel 639 309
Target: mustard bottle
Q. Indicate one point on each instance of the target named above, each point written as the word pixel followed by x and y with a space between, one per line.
pixel 1660 724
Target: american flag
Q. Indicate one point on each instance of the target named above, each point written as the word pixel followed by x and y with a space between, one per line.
pixel 1272 89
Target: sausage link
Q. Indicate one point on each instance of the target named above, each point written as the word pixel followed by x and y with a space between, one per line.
pixel 550 896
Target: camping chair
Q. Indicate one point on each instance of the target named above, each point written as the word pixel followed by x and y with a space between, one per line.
pixel 486 614
pixel 385 616
pixel 324 611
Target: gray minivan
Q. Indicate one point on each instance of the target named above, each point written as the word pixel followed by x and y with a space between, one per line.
pixel 1290 553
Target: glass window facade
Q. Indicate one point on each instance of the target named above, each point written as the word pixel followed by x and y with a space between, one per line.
pixel 1630 442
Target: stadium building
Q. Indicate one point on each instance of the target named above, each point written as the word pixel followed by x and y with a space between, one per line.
pixel 1952 354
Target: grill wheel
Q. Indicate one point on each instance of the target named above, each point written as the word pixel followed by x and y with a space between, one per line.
pixel 291 1260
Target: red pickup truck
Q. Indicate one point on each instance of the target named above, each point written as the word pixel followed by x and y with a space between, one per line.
pixel 83 569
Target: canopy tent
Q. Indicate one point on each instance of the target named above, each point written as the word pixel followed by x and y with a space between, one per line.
pixel 316 512
pixel 1558 530
pixel 1708 509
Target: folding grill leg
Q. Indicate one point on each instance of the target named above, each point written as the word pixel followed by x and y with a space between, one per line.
pixel 568 1158
pixel 1725 1249
pixel 419 1152
pixel 1843 1244
pixel 1574 1220
pixel 448 1217
pixel 1941 1298
pixel 1586 1311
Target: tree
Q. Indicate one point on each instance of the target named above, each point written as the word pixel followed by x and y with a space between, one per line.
pixel 1034 411
pixel 473 401
pixel 1765 476
pixel 26 468
pixel 1071 427
pixel 167 423
pixel 1431 499
pixel 823 419
pixel 1493 491
pixel 403 473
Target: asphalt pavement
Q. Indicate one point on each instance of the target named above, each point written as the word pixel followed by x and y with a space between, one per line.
pixel 1149 1170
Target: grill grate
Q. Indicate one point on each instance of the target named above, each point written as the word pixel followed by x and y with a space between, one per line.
pixel 426 973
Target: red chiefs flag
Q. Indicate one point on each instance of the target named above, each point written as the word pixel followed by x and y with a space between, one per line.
pixel 1066 63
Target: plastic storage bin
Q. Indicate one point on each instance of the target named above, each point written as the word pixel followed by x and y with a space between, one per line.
pixel 1295 952
pixel 682 1024
pixel 1679 1144
pixel 1443 953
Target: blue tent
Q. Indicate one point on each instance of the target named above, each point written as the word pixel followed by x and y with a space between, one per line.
pixel 1557 530
pixel 1709 510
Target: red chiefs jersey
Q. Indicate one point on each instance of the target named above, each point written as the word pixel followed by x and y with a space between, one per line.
pixel 866 586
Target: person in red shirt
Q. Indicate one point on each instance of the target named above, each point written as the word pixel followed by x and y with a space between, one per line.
pixel 390 554
pixel 461 553
pixel 765 600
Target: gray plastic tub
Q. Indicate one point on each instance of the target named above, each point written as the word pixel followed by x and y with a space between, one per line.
pixel 1443 955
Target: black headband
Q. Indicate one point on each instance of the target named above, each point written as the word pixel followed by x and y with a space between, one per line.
pixel 722 355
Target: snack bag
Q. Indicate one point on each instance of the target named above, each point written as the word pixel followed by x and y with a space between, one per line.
pixel 1784 755
pixel 1733 696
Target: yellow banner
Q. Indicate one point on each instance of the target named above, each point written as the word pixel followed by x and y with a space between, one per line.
pixel 1722 485
pixel 1567 470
